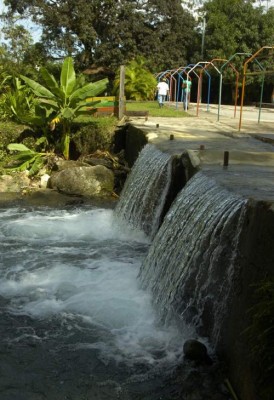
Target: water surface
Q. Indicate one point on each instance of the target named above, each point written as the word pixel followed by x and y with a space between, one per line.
pixel 75 323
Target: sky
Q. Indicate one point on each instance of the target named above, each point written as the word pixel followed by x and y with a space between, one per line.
pixel 35 31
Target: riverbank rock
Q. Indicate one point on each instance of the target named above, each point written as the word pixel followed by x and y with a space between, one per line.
pixel 197 352
pixel 115 162
pixel 52 199
pixel 14 183
pixel 88 181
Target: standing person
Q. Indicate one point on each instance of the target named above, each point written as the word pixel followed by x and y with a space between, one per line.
pixel 163 91
pixel 186 85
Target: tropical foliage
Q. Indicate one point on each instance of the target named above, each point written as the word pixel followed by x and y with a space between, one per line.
pixel 139 82
pixel 60 103
pixel 236 27
pixel 17 101
pixel 112 32
pixel 24 158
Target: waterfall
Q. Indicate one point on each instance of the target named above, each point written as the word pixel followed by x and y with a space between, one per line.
pixel 192 261
pixel 144 194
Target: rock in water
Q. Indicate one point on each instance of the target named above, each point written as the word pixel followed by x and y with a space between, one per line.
pixel 196 351
pixel 88 181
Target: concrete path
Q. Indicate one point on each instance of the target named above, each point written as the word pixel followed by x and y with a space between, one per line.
pixel 251 150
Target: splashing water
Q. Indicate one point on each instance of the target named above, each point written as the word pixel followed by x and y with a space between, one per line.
pixel 191 265
pixel 69 285
pixel 143 197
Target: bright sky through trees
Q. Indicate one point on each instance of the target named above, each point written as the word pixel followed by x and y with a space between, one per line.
pixel 34 30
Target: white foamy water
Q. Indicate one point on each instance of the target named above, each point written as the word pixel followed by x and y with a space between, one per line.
pixel 81 265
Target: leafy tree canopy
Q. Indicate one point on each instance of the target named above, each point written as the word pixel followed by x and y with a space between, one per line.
pixel 111 32
pixel 236 26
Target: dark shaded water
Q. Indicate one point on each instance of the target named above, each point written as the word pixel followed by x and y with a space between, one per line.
pixel 75 323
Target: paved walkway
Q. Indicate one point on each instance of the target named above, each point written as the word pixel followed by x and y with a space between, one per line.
pixel 251 150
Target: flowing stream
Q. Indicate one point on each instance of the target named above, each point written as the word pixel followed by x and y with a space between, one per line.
pixel 72 310
pixel 192 264
pixel 145 190
pixel 75 322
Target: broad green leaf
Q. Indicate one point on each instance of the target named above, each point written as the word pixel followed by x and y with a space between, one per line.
pixel 40 112
pixel 38 89
pixel 26 164
pixel 36 166
pixel 67 113
pixel 34 120
pixel 18 147
pixel 90 90
pixel 68 77
pixel 85 107
pixel 23 166
pixel 23 155
pixel 41 140
pixel 51 83
pixel 50 104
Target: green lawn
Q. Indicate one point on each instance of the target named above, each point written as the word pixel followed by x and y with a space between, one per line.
pixel 154 111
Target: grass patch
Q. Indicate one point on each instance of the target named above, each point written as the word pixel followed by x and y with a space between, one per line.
pixel 154 111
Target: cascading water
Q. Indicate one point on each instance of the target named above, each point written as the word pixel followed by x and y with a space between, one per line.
pixel 75 322
pixel 192 262
pixel 143 197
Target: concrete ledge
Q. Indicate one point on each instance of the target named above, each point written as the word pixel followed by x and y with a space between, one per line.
pixel 137 114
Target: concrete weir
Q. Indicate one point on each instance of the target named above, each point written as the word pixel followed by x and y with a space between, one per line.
pixel 243 163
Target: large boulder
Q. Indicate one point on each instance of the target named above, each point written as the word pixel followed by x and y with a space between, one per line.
pixel 97 181
pixel 61 164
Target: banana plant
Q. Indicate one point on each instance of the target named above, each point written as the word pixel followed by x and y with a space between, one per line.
pixel 65 100
pixel 19 100
pixel 24 158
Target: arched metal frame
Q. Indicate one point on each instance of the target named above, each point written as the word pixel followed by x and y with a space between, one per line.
pixel 165 74
pixel 237 82
pixel 174 82
pixel 181 71
pixel 199 64
pixel 200 84
pixel 245 73
pixel 227 62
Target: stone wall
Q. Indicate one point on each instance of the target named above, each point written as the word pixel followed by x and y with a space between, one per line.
pixel 135 140
pixel 255 264
pixel 247 369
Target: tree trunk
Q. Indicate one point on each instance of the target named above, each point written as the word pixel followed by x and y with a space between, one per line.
pixel 65 141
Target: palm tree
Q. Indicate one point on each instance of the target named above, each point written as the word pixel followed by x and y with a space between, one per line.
pixel 66 100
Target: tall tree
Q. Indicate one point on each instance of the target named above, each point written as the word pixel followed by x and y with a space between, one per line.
pixel 111 32
pixel 17 43
pixel 237 26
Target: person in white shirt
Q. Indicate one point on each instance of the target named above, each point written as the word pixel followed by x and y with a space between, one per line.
pixel 163 91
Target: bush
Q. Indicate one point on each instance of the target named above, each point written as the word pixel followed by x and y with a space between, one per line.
pixel 92 136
